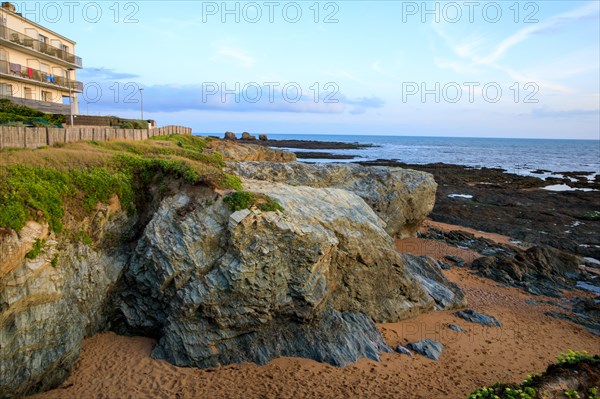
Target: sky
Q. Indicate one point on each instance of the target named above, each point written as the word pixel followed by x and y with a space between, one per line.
pixel 465 68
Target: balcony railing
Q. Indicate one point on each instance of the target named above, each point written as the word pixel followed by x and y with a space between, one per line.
pixel 39 46
pixel 24 72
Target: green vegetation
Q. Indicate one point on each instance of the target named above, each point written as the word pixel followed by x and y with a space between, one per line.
pixel 528 389
pixel 591 215
pixel 572 357
pixel 12 114
pixel 244 200
pixel 240 200
pixel 85 174
pixel 38 248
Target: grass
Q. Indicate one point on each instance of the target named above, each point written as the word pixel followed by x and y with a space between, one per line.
pixel 244 200
pixel 37 250
pixel 36 184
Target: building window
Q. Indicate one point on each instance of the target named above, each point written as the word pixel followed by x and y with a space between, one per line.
pixel 28 93
pixel 6 90
pixel 43 39
pixel 65 49
pixel 46 96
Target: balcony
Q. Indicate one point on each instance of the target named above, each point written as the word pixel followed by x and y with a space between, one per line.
pixel 26 74
pixel 32 44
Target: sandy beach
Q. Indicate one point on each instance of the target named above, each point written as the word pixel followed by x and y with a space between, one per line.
pixel 113 366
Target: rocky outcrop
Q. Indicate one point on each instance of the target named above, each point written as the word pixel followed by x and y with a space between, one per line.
pixel 248 136
pixel 47 306
pixel 401 198
pixel 249 152
pixel 230 136
pixel 428 272
pixel 219 288
pixel 213 287
pixel 539 270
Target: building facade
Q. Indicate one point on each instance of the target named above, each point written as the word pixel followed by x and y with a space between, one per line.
pixel 38 67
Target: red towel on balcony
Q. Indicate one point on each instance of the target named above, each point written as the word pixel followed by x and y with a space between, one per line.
pixel 30 73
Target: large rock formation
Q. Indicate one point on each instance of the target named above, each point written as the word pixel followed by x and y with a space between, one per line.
pixel 215 287
pixel 220 288
pixel 402 198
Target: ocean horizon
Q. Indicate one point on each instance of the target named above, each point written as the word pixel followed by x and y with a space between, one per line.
pixel 515 155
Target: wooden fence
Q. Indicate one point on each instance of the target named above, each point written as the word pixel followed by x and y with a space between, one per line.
pixel 34 137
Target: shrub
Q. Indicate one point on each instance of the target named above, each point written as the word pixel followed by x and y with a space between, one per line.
pixel 37 249
pixel 239 200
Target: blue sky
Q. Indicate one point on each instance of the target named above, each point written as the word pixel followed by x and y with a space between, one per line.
pixel 482 68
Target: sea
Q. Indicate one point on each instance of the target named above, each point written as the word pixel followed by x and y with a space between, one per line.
pixel 520 156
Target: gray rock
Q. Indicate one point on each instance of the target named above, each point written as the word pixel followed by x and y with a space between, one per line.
pixel 427 347
pixel 304 283
pixel 458 261
pixel 248 136
pixel 230 136
pixel 539 270
pixel 447 295
pixel 456 328
pixel 403 351
pixel 402 198
pixel 479 318
pixel 46 310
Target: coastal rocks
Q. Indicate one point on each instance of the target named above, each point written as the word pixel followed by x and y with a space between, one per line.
pixel 447 295
pixel 248 136
pixel 456 328
pixel 249 152
pixel 217 288
pixel 230 136
pixel 404 351
pixel 401 198
pixel 428 347
pixel 585 312
pixel 263 137
pixel 539 270
pixel 47 306
pixel 479 318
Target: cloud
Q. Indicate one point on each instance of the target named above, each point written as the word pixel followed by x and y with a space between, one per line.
pixel 240 56
pixel 103 74
pixel 547 113
pixel 236 97
pixel 583 12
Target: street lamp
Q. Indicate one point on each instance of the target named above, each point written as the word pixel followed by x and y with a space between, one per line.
pixel 142 98
pixel 70 95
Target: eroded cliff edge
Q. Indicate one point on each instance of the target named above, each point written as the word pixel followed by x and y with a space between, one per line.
pixel 214 286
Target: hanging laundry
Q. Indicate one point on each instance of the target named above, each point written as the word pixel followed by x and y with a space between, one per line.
pixel 30 73
pixel 15 68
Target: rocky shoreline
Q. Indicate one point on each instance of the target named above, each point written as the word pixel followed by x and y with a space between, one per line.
pixel 301 260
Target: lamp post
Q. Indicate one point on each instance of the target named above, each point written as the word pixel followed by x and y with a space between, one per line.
pixel 70 95
pixel 142 99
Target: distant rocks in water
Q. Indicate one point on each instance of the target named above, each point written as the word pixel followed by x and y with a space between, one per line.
pixel 404 351
pixel 456 328
pixel 479 318
pixel 263 137
pixel 540 270
pixel 248 136
pixel 427 347
pixel 230 136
